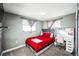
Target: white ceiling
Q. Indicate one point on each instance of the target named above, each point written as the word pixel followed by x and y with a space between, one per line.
pixel 40 11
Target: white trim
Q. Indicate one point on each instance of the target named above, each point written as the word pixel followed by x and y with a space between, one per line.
pixel 40 52
pixel 9 50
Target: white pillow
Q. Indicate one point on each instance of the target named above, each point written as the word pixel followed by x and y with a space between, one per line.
pixel 36 40
pixel 41 33
pixel 51 35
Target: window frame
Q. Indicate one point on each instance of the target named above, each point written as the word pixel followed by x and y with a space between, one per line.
pixel 30 27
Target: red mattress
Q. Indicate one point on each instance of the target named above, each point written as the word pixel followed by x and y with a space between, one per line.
pixel 38 46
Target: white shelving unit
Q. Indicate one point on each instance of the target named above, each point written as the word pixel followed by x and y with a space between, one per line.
pixel 70 44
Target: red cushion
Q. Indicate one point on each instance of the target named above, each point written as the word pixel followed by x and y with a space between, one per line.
pixel 46 34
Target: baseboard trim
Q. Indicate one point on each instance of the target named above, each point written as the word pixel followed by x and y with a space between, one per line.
pixel 12 49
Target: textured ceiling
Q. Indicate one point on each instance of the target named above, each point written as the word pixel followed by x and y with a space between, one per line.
pixel 40 11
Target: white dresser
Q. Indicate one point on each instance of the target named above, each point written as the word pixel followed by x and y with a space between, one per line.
pixel 69 44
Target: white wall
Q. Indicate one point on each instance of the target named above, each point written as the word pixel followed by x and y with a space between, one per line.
pixel 14 35
pixel 45 25
pixel 67 21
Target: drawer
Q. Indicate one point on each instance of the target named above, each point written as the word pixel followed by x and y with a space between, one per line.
pixel 69 47
pixel 69 41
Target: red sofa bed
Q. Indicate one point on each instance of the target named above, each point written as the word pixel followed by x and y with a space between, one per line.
pixel 39 42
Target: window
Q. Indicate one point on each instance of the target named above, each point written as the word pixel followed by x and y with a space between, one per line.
pixel 57 24
pixel 34 27
pixel 27 26
pixel 50 24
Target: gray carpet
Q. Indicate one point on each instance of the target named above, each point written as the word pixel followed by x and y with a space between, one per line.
pixel 52 51
pixel 56 51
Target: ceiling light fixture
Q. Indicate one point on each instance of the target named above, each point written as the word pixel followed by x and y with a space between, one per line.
pixel 42 13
